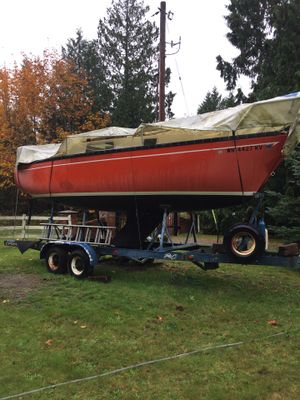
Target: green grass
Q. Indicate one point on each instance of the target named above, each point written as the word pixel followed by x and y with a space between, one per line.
pixel 55 329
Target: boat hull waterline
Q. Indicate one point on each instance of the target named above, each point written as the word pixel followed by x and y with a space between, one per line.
pixel 185 176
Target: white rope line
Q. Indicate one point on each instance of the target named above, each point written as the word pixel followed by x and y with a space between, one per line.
pixel 142 364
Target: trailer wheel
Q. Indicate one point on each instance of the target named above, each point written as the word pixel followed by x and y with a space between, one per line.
pixel 56 260
pixel 79 264
pixel 244 242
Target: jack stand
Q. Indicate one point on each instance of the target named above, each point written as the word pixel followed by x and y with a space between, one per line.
pixel 164 231
pixel 51 219
pixel 258 209
pixel 193 229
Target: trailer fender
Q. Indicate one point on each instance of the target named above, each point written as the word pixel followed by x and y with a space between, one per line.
pixel 46 246
pixel 71 246
pixel 90 251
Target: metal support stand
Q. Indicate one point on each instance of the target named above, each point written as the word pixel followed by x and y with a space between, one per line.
pixel 51 220
pixel 254 216
pixel 84 219
pixel 164 233
pixel 193 228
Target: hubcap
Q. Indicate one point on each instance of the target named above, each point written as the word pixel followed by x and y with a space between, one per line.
pixel 53 261
pixel 243 244
pixel 77 265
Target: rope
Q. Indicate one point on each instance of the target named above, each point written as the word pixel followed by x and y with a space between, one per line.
pixel 50 179
pixel 140 365
pixel 238 164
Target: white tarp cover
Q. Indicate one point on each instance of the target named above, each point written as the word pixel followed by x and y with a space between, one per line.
pixel 263 116
pixel 28 154
pixel 110 131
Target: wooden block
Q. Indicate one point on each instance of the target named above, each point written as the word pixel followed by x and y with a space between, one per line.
pixel 287 250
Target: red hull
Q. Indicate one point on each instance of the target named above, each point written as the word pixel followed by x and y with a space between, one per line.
pixel 179 174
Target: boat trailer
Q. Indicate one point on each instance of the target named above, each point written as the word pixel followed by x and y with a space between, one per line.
pixel 78 248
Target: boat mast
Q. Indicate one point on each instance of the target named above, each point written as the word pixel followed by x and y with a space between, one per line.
pixel 162 58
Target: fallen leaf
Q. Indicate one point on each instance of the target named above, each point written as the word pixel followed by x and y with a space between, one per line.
pixel 273 322
pixel 82 326
pixel 49 342
pixel 75 322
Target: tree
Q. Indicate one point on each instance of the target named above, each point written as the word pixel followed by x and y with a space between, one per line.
pixel 267 35
pixel 169 97
pixel 121 65
pixel 85 57
pixel 211 102
pixel 285 211
pixel 6 148
pixel 66 104
pixel 128 50
pixel 21 104
pixel 269 46
pixel 214 101
pixel 41 101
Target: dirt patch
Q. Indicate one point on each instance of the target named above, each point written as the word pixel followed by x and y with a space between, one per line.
pixel 17 287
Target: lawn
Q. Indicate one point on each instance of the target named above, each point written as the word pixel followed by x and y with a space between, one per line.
pixel 55 329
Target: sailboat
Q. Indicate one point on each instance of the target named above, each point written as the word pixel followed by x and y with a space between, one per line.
pixel 207 161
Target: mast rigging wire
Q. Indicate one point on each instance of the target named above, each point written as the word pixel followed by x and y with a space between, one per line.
pixel 178 71
pixel 182 89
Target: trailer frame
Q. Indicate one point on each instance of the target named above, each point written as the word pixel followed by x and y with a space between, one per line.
pixel 204 257
pixel 78 248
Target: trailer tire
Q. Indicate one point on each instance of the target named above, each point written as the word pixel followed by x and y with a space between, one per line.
pixel 244 242
pixel 56 260
pixel 79 264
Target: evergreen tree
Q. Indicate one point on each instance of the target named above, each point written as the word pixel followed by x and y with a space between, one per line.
pixel 285 211
pixel 128 51
pixel 214 101
pixel 85 56
pixel 268 36
pixel 211 102
pixel 169 97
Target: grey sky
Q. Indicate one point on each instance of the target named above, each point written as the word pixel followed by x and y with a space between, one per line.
pixel 33 25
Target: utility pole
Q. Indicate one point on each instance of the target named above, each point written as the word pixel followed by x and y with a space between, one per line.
pixel 162 78
pixel 162 60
